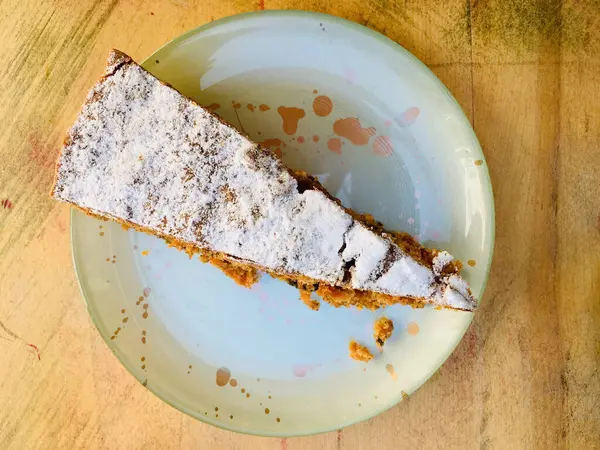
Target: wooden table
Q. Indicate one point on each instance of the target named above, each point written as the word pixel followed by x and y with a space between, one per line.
pixel 526 72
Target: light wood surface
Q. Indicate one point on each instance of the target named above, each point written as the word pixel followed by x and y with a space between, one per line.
pixel 526 375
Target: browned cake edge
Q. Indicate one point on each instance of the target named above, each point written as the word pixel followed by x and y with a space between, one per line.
pixel 245 273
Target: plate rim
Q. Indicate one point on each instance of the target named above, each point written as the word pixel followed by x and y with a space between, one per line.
pixel 460 115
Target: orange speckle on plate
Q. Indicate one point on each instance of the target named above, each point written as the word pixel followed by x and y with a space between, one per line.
pixel 269 143
pixel 335 145
pixel 250 107
pixel 145 252
pixel 264 107
pixel 390 369
pixel 472 262
pixel 278 420
pixel 274 144
pixel 147 291
pixel 300 370
pixel 223 376
pixel 301 139
pixel 236 105
pixel 410 115
pixel 267 411
pixel 101 233
pixel 145 315
pixel 213 106
pixel 383 146
pixel 322 106
pixel 315 138
pixel 351 129
pixel 412 328
pixel 479 162
pixel 233 382
pixel 315 91
pixel 290 117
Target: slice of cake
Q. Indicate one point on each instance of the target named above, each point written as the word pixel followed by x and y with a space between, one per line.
pixel 146 156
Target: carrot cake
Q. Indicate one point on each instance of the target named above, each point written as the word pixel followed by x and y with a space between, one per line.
pixel 142 154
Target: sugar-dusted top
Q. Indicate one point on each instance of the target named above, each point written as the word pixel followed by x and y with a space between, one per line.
pixel 141 152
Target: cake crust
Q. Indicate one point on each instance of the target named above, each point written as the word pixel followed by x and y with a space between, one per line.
pixel 144 155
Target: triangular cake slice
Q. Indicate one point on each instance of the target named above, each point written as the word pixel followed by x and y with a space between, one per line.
pixel 146 156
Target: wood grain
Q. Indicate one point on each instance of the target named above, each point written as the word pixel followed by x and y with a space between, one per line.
pixel 526 375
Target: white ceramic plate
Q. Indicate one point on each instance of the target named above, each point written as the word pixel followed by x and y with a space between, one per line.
pixel 182 328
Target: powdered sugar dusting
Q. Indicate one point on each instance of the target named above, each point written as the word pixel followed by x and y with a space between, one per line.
pixel 367 250
pixel 441 260
pixel 141 152
pixel 408 276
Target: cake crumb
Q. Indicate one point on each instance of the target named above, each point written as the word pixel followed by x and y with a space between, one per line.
pixel 359 352
pixel 382 330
